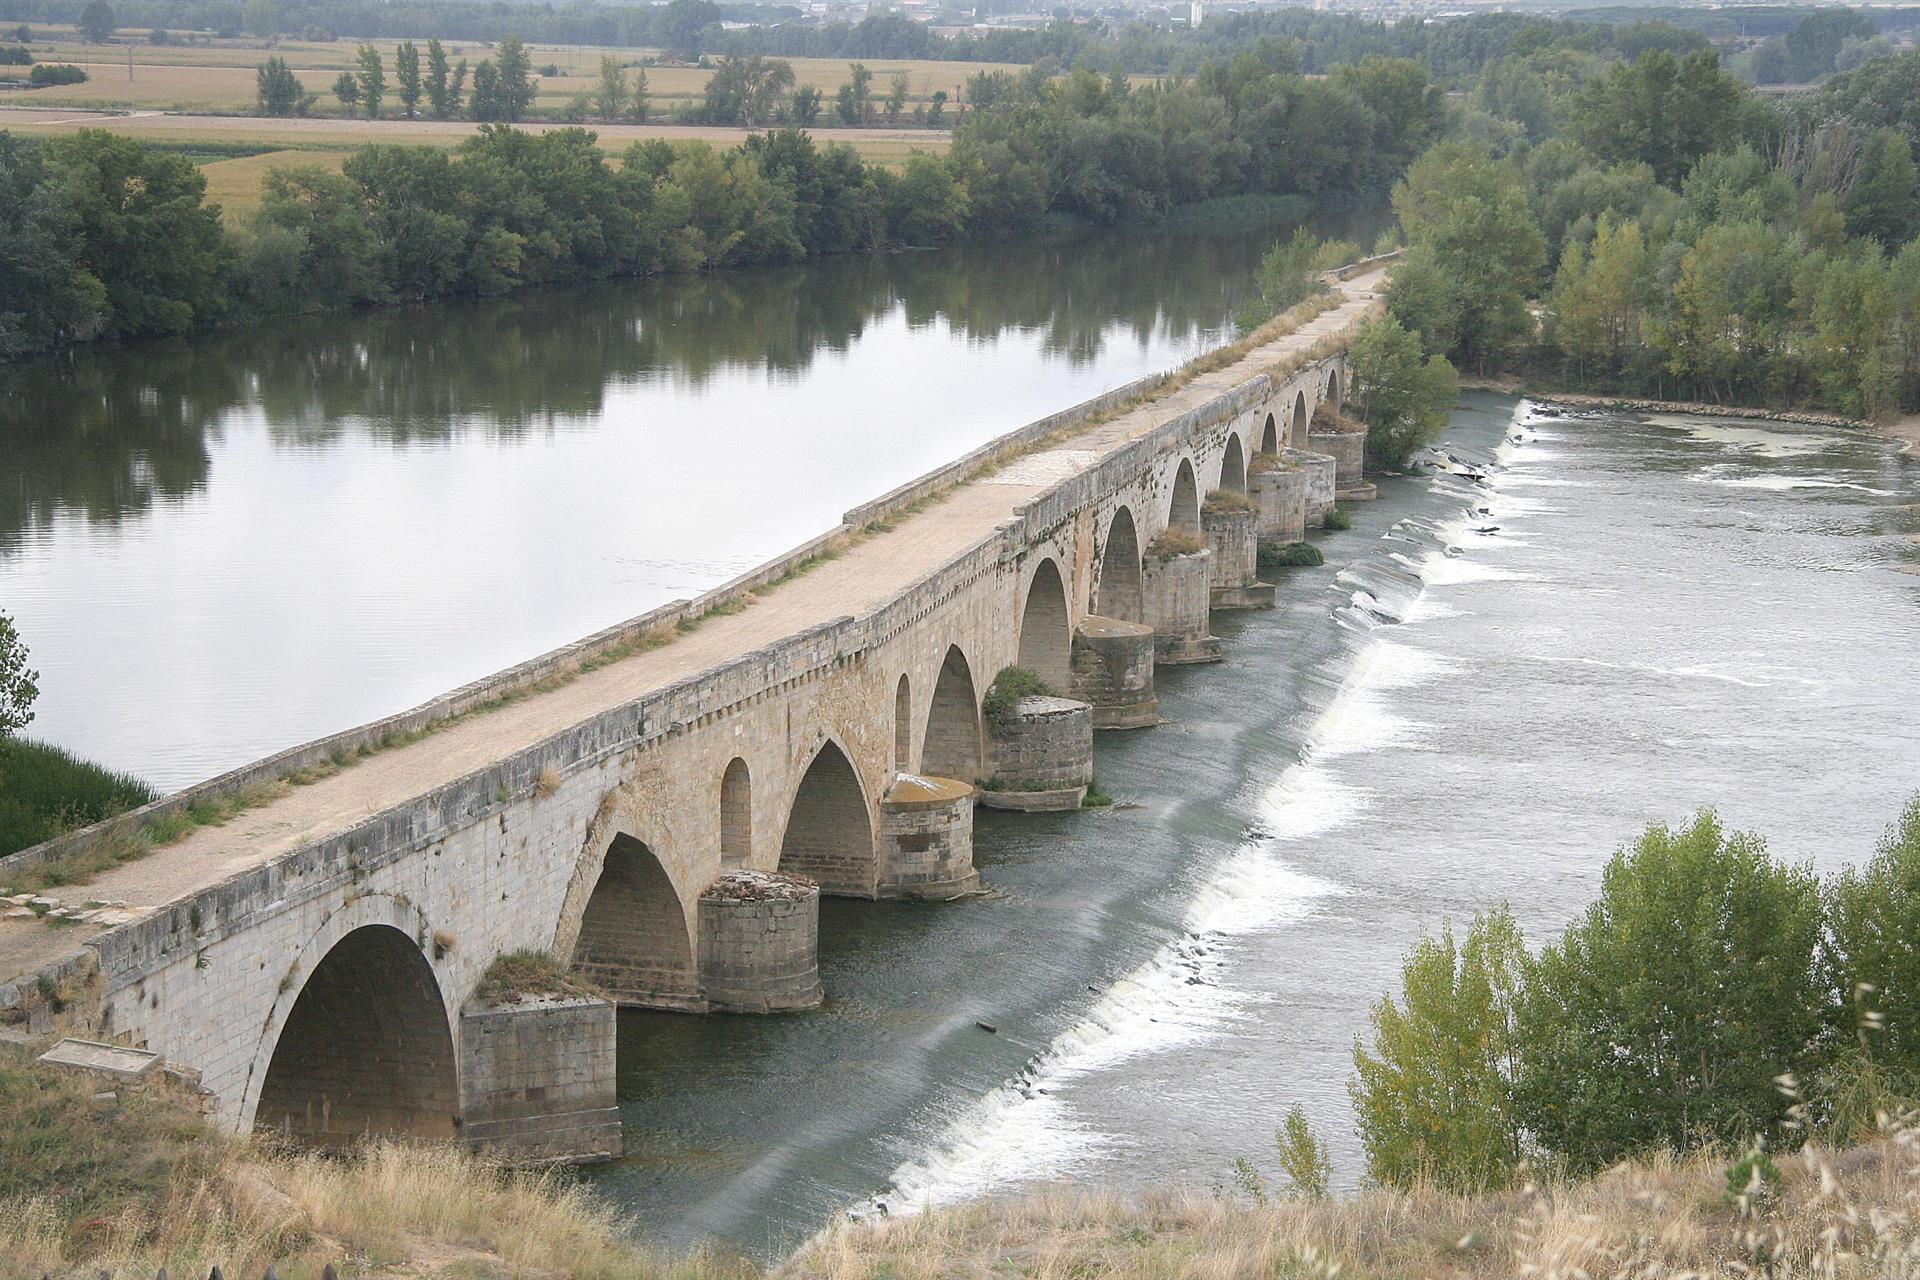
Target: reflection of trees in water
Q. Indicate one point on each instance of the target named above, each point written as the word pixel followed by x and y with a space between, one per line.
pixel 108 431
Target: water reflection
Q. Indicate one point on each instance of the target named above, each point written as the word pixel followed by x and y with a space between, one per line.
pixel 107 431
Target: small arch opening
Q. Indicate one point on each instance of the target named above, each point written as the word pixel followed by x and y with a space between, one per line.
pixel 903 727
pixel 634 941
pixel 1299 436
pixel 829 836
pixel 736 815
pixel 952 746
pixel 1046 635
pixel 366 1049
pixel 1118 594
pixel 1269 437
pixel 1184 511
pixel 1233 467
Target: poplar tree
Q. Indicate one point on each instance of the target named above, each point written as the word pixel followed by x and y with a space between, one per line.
pixel 437 88
pixel 406 77
pixel 373 80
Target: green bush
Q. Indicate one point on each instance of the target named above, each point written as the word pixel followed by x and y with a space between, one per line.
pixel 1664 1014
pixel 45 791
pixel 45 74
pixel 1011 685
pixel 1338 519
pixel 1870 962
pixel 1294 555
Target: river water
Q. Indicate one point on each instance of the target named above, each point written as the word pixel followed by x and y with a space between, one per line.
pixel 217 547
pixel 1487 688
pixel 221 546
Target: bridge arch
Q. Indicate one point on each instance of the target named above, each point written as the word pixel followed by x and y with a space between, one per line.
pixel 1233 466
pixel 736 815
pixel 1333 395
pixel 829 833
pixel 634 940
pixel 1299 430
pixel 1183 511
pixel 1269 437
pixel 364 1047
pixel 1046 630
pixel 1118 593
pixel 903 726
pixel 951 748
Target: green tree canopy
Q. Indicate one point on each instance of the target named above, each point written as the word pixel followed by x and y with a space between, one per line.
pixel 276 89
pixel 18 682
pixel 98 22
pixel 1664 1014
pixel 1403 398
pixel 1872 948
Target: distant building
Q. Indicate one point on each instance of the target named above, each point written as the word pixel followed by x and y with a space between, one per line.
pixel 1194 15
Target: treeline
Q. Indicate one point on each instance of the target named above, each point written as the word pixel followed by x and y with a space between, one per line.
pixel 1713 996
pixel 1685 237
pixel 114 240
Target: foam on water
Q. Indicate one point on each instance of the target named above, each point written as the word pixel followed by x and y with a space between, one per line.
pixel 1781 484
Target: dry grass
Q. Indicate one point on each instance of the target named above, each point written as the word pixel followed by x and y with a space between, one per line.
pixel 1171 543
pixel 1835 1216
pixel 235 184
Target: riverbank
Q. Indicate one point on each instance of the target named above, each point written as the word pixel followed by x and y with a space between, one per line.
pixel 71 1202
pixel 1905 430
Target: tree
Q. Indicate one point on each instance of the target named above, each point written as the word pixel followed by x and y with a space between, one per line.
pixel 406 77
pixel 1289 272
pixel 97 22
pixel 1881 202
pixel 487 104
pixel 936 108
pixel 262 17
pixel 747 90
pixel 853 99
pixel 897 97
pixel 457 87
pixel 278 89
pixel 1872 954
pixel 18 682
pixel 1812 45
pixel 439 98
pixel 611 97
pixel 806 106
pixel 639 99
pixel 347 89
pixel 373 80
pixel 1403 399
pixel 926 206
pixel 1431 1096
pixel 1668 112
pixel 516 85
pixel 46 298
pixel 1599 296
pixel 339 256
pixel 1664 1014
pixel 1476 252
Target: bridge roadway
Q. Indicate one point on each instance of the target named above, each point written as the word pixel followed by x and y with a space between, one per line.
pixel 316 960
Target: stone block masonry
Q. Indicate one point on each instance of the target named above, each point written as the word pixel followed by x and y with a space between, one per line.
pixel 1042 752
pixel 759 943
pixel 1179 598
pixel 926 839
pixel 1113 672
pixel 539 1080
pixel 1233 538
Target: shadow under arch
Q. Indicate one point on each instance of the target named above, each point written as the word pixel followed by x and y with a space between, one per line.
pixel 1233 467
pixel 634 942
pixel 829 833
pixel 1119 594
pixel 366 1049
pixel 951 748
pixel 1183 511
pixel 1046 629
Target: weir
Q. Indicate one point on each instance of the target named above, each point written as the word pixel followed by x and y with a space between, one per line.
pixel 660 806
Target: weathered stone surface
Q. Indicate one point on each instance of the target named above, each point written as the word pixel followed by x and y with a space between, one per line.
pixel 538 1080
pixel 1319 469
pixel 1113 672
pixel 759 943
pixel 926 839
pixel 1233 538
pixel 1042 753
pixel 117 1061
pixel 1281 496
pixel 1179 600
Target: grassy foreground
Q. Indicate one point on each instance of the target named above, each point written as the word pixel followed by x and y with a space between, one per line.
pixel 45 791
pixel 132 1182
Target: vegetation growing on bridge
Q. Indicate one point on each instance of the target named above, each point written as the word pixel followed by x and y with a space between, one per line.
pixel 1011 685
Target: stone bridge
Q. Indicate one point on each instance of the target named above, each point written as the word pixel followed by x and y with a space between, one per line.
pixel 660 806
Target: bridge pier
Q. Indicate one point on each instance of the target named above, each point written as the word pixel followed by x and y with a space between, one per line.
pixel 1233 538
pixel 1178 600
pixel 1319 469
pixel 760 943
pixel 537 1080
pixel 1279 492
pixel 1042 753
pixel 1113 672
pixel 926 839
pixel 1345 441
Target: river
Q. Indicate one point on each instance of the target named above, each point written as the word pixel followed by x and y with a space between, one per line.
pixel 222 545
pixel 1486 690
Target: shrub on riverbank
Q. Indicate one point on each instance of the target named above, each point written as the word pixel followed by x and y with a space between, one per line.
pixel 1294 555
pixel 45 791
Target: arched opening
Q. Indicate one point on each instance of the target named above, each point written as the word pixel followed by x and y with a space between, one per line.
pixel 736 815
pixel 365 1049
pixel 903 727
pixel 634 941
pixel 1299 436
pixel 1269 437
pixel 1046 636
pixel 1233 467
pixel 829 837
pixel 1184 512
pixel 1335 398
pixel 1118 594
pixel 952 747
